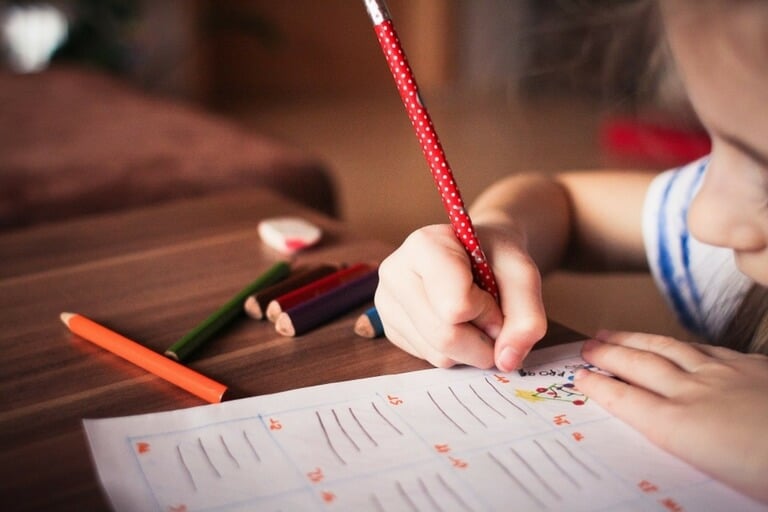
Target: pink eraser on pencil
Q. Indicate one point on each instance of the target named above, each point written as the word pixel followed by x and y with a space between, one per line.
pixel 289 234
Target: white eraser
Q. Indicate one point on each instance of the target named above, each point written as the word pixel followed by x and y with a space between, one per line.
pixel 289 234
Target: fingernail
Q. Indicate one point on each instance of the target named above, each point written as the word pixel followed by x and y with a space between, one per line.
pixel 603 334
pixel 580 373
pixel 578 376
pixel 508 359
pixel 590 344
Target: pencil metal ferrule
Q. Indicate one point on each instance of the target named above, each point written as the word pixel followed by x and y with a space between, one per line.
pixel 377 10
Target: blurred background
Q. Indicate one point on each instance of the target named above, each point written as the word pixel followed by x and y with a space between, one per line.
pixel 512 86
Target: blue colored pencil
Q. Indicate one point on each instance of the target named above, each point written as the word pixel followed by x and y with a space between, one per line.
pixel 368 325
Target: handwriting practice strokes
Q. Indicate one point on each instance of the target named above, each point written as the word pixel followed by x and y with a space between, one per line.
pixel 437 440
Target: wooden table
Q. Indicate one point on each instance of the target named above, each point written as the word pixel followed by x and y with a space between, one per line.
pixel 151 274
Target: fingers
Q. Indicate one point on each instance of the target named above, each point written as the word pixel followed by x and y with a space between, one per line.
pixel 632 404
pixel 717 352
pixel 427 304
pixel 411 340
pixel 451 290
pixel 525 321
pixel 440 341
pixel 445 346
pixel 686 356
pixel 431 307
pixel 643 360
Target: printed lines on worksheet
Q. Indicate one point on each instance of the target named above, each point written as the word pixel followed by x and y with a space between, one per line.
pixel 434 441
pixel 464 403
pixel 369 432
pixel 450 434
pixel 210 465
pixel 425 488
pixel 351 418
pixel 212 461
pixel 538 473
pixel 458 411
pixel 534 473
pixel 436 493
pixel 345 429
pixel 210 468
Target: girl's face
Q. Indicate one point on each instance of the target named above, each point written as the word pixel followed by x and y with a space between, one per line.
pixel 721 50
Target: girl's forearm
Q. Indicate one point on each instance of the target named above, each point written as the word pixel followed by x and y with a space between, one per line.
pixel 582 220
pixel 533 207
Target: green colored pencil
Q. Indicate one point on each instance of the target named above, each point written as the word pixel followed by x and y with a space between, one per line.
pixel 223 316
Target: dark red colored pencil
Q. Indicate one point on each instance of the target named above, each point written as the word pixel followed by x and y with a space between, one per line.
pixel 256 305
pixel 313 289
pixel 323 308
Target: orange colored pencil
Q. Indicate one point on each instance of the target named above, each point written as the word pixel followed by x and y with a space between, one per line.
pixel 155 363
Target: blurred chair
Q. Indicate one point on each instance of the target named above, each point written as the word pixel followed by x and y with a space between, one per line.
pixel 75 142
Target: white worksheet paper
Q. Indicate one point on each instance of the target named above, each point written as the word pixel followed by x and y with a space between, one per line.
pixel 438 440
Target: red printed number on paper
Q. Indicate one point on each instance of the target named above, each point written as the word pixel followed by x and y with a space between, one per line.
pixel 316 475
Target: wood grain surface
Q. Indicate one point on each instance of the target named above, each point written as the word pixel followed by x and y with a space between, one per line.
pixel 151 275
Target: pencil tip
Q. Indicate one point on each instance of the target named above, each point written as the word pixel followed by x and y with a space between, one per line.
pixel 363 327
pixel 172 355
pixel 273 311
pixel 252 308
pixel 65 318
pixel 284 325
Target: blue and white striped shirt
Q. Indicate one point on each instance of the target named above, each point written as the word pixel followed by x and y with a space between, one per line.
pixel 700 282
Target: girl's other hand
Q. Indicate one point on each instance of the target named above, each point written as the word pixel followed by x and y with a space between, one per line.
pixel 704 404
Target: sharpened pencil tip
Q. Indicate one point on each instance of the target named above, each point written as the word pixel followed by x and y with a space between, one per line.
pixel 284 325
pixel 273 311
pixel 172 355
pixel 252 308
pixel 65 318
pixel 363 327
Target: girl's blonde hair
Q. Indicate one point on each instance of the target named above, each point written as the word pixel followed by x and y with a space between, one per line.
pixel 597 47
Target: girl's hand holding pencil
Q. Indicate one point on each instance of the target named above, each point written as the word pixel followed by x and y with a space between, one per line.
pixel 432 308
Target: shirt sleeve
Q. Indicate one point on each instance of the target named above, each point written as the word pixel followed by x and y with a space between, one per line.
pixel 700 282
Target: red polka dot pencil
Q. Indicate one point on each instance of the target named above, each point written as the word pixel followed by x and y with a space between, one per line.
pixel 430 144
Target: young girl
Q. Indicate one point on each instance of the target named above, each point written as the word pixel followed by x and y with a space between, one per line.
pixel 702 230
